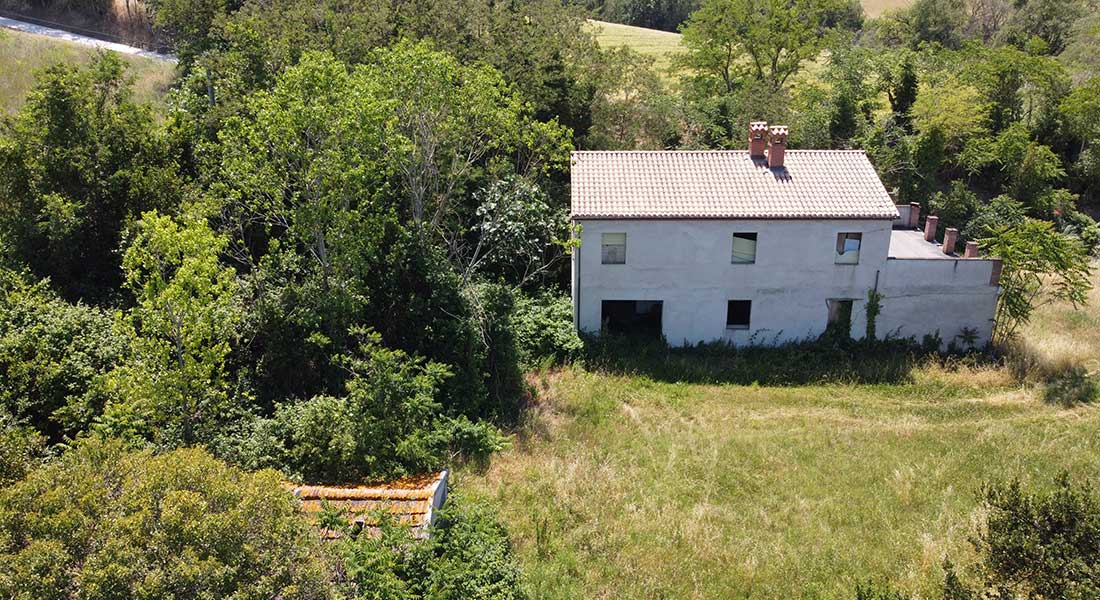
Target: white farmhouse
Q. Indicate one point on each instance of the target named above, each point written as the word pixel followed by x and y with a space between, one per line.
pixel 764 246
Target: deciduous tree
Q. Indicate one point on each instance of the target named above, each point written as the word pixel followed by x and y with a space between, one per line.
pixel 766 40
pixel 172 389
pixel 78 161
pixel 1040 265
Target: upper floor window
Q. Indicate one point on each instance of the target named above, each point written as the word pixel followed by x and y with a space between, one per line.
pixel 847 248
pixel 744 248
pixel 614 249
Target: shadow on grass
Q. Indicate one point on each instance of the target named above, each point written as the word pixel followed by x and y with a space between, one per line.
pixel 822 360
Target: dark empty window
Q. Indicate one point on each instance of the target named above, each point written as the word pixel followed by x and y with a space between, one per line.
pixel 847 248
pixel 632 317
pixel 738 313
pixel 744 248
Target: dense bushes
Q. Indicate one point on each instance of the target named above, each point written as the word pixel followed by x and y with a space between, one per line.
pixel 794 363
pixel 51 353
pixel 20 449
pixel 544 332
pixel 101 522
pixel 387 424
pixel 1041 544
pixel 78 161
pixel 468 555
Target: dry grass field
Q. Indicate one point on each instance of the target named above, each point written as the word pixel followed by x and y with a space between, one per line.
pixel 22 54
pixel 662 46
pixel 628 487
pixel 875 8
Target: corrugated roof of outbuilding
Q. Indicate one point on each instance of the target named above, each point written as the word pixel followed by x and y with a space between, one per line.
pixel 727 184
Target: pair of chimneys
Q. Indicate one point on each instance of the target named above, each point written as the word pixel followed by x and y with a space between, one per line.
pixel 774 138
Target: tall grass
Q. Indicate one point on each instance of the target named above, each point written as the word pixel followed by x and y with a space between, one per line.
pixel 23 54
pixel 1059 338
pixel 793 473
pixel 1060 351
pixel 627 487
pixel 795 363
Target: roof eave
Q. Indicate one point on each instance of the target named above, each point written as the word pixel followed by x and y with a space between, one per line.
pixel 734 217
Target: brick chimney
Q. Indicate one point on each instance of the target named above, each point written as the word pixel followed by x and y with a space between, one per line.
pixel 914 214
pixel 949 238
pixel 758 138
pixel 971 250
pixel 777 146
pixel 931 224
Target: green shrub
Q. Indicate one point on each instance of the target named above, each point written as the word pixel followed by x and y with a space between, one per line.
pixel 498 355
pixel 1041 544
pixel 101 522
pixel 1070 387
pixel 50 354
pixel 20 447
pixel 468 555
pixel 1033 544
pixel 388 424
pixel 543 327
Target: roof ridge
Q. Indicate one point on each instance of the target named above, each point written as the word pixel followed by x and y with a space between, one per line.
pixel 728 184
pixel 789 151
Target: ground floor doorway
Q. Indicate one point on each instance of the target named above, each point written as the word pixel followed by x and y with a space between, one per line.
pixel 632 317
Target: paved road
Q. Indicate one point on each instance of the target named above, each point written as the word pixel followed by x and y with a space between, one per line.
pixel 76 38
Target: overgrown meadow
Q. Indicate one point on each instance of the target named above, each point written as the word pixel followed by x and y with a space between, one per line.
pixel 628 482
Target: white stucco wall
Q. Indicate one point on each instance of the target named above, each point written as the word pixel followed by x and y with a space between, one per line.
pixel 686 265
pixel 945 296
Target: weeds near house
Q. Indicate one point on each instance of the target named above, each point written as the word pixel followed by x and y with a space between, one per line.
pixel 1060 350
pixel 826 360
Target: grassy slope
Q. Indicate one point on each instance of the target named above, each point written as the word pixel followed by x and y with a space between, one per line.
pixel 875 8
pixel 626 487
pixel 21 54
pixel 662 46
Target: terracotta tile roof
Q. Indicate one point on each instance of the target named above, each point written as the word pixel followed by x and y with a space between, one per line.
pixel 814 184
pixel 413 501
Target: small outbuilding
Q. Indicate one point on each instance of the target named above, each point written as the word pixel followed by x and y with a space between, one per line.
pixel 412 501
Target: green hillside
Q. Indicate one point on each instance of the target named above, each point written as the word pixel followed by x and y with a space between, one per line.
pixel 662 46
